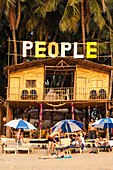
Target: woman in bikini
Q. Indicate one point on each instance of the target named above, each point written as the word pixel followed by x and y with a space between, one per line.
pixel 53 156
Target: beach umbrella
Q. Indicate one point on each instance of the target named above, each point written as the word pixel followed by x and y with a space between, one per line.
pixel 20 124
pixel 68 126
pixel 104 123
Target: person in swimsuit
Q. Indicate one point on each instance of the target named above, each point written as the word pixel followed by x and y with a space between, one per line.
pixel 60 154
pixel 52 141
pixel 92 130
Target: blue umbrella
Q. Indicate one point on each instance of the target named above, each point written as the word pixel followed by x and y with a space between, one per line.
pixel 104 123
pixel 20 124
pixel 68 126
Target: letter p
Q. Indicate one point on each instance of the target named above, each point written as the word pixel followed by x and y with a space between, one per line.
pixel 27 45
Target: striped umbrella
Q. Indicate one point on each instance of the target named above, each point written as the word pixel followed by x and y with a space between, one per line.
pixel 20 124
pixel 68 125
pixel 104 123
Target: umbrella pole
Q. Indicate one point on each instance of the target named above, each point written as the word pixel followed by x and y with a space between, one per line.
pixel 67 132
pixel 108 131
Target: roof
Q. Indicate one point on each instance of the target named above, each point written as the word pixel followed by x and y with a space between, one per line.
pixel 54 61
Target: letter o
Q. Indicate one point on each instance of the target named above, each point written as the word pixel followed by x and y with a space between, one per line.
pixel 50 49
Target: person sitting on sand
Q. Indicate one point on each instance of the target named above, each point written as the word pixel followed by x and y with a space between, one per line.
pixel 52 141
pixel 60 154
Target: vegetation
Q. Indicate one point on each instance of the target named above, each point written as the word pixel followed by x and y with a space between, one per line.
pixel 55 20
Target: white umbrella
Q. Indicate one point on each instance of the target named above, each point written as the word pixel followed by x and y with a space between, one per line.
pixel 68 125
pixel 105 123
pixel 20 124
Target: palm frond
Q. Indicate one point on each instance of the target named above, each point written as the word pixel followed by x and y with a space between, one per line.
pixel 96 13
pixel 71 17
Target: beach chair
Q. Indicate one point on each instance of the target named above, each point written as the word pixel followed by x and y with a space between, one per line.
pixel 25 147
pixel 39 142
pixel 106 148
pixel 65 142
pixel 10 148
pixel 72 147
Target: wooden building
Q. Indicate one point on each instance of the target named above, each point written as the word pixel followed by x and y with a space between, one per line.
pixel 58 83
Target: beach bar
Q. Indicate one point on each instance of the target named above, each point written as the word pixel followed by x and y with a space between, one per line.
pixel 59 83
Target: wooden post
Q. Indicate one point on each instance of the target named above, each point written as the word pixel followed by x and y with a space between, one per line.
pixel 9 117
pixel 0 121
pixel 107 115
pixel 86 119
pixel 40 119
pixel 72 111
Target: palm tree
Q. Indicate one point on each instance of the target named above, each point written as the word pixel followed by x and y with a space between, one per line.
pixel 84 11
pixel 38 18
pixel 9 7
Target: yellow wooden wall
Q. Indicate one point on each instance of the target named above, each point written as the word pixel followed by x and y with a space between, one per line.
pixel 17 82
pixel 87 80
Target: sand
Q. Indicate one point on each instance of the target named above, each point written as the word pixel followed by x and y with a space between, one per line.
pixel 83 161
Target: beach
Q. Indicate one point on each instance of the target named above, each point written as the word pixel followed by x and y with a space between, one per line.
pixel 85 161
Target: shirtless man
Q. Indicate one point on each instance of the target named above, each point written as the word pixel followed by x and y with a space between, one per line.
pixel 92 130
pixel 52 141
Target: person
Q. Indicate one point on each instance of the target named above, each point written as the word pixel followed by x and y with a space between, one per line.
pixel 77 141
pixel 92 130
pixel 19 137
pixel 103 142
pixel 52 141
pixel 81 138
pixel 100 143
pixel 60 154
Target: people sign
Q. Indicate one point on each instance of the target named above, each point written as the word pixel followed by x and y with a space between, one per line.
pixel 40 49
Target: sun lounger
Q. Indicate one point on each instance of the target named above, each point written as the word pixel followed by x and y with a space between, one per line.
pixel 89 142
pixel 25 147
pixel 15 148
pixel 10 148
pixel 65 142
pixel 72 147
pixel 107 148
pixel 39 142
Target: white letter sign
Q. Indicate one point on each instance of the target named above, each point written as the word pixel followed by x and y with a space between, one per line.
pixel 27 45
pixel 75 52
pixel 64 48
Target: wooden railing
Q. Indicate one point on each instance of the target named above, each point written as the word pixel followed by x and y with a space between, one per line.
pixel 58 94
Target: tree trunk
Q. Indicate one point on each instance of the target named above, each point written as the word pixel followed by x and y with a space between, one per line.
pixel 83 28
pixel 15 46
pixel 12 27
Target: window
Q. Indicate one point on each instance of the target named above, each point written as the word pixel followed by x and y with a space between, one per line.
pixel 94 83
pixel 97 83
pixel 30 83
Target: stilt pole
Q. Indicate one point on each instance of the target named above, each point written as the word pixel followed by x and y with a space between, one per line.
pixel 40 119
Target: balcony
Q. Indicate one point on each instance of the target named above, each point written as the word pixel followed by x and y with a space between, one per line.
pixel 57 94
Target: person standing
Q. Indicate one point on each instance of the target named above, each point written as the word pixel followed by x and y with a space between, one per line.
pixel 52 141
pixel 92 130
